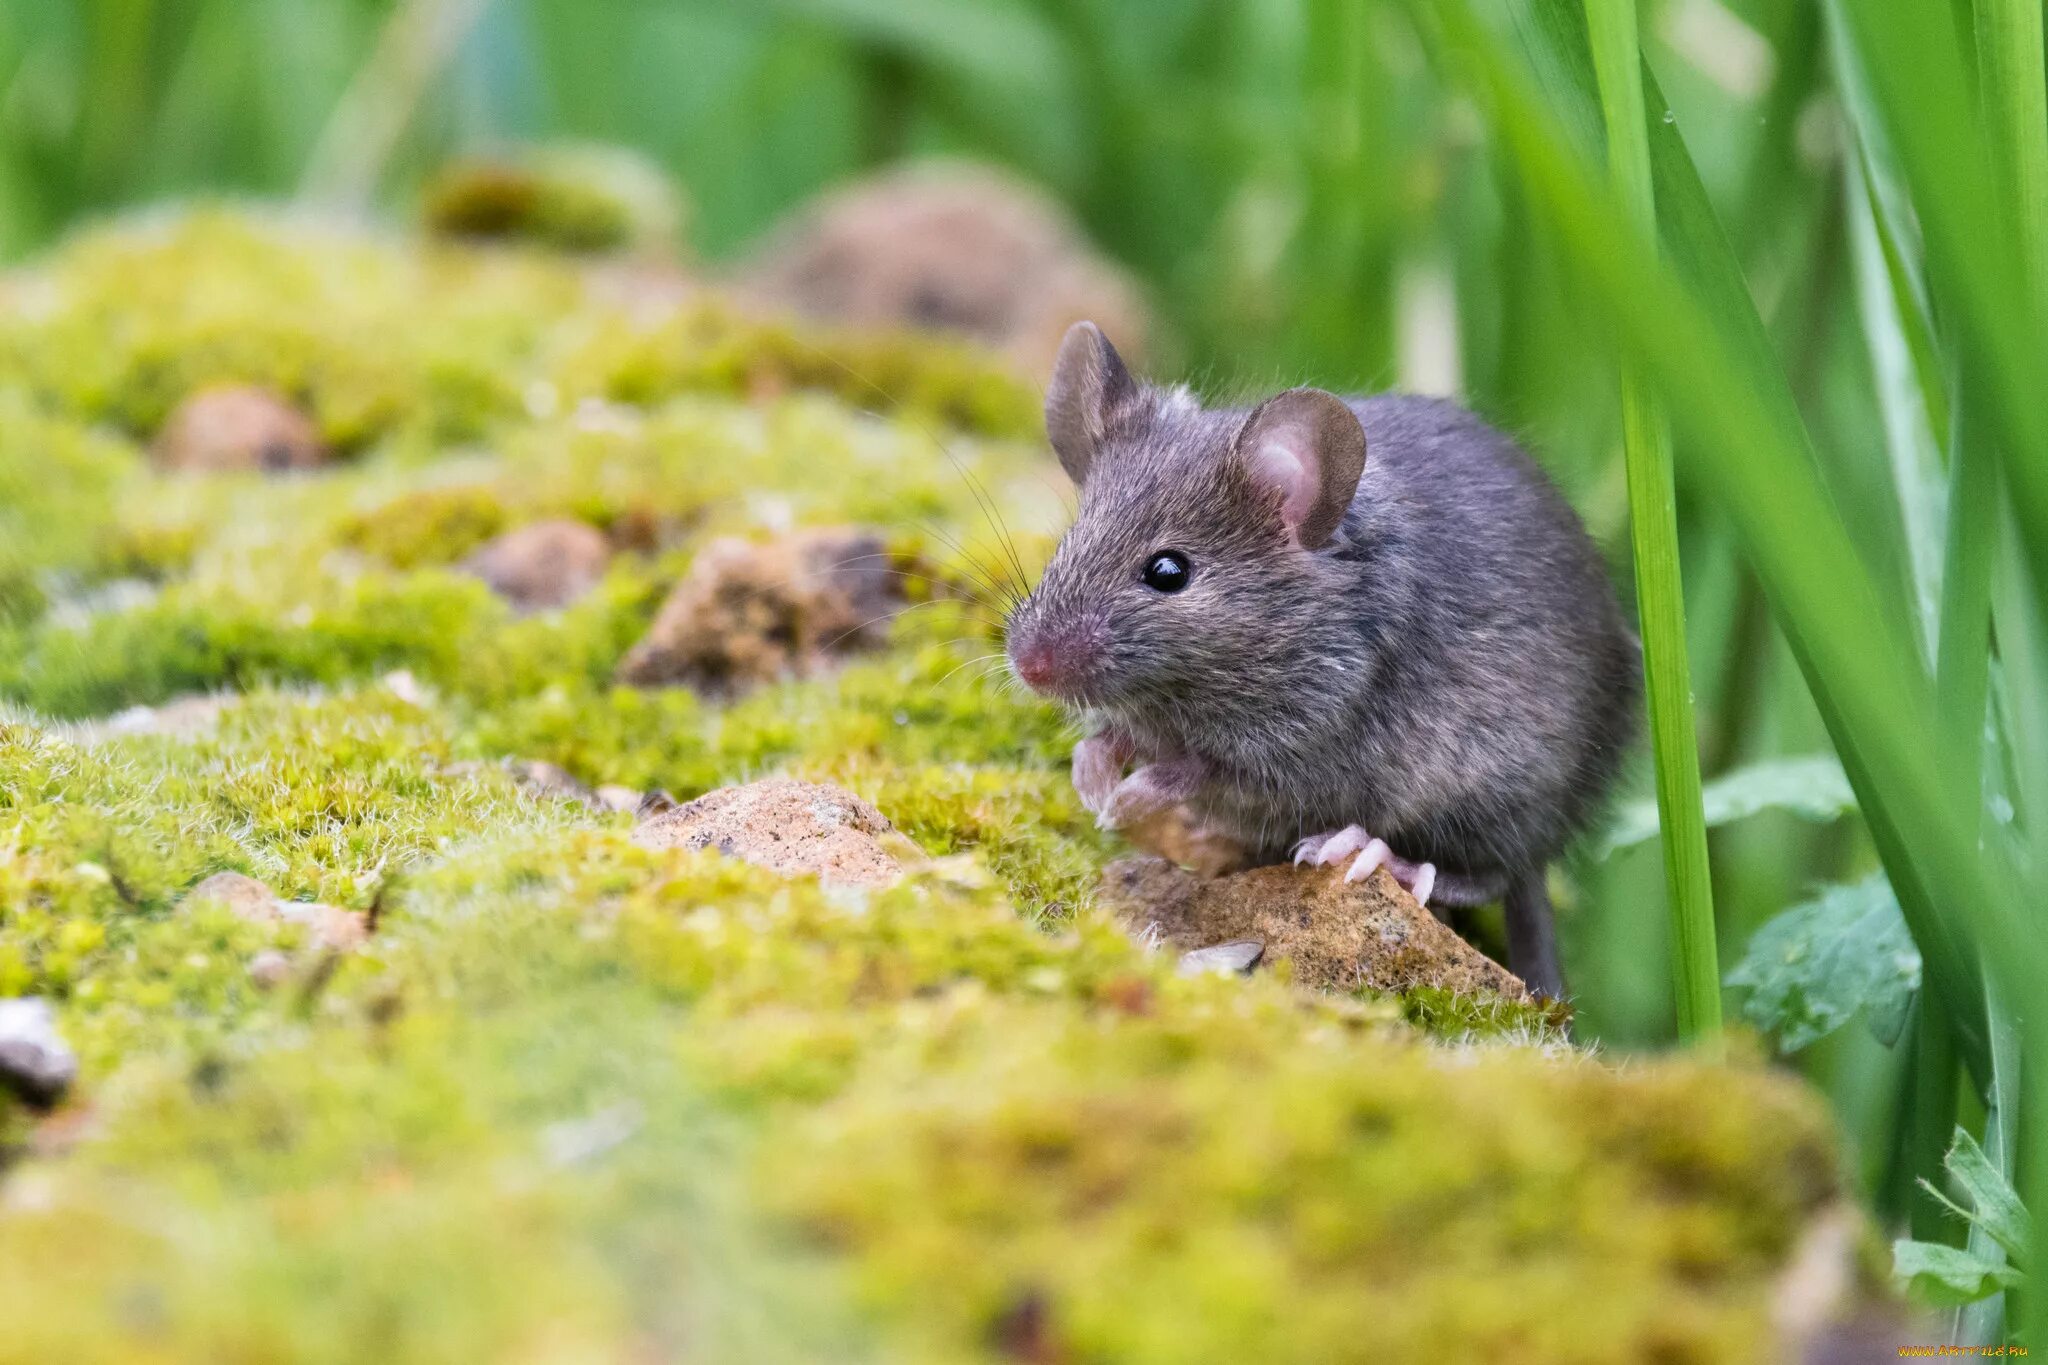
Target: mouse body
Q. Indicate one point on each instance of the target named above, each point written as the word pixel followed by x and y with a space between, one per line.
pixel 1366 631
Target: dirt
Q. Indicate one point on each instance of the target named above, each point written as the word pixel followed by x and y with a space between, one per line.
pixel 543 565
pixel 749 613
pixel 247 898
pixel 1339 935
pixel 949 246
pixel 238 426
pixel 790 827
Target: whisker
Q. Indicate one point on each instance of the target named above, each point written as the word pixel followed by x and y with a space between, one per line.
pixel 983 660
pixel 975 488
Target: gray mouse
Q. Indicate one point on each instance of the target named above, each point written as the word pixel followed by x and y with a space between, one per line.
pixel 1365 631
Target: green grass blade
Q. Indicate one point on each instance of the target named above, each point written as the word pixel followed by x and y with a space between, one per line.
pixel 347 165
pixel 1660 596
pixel 1891 316
pixel 1758 464
pixel 2014 99
pixel 1864 672
pixel 1934 1076
pixel 1963 654
pixel 1975 213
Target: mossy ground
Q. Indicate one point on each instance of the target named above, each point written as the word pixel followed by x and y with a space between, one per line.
pixel 580 1101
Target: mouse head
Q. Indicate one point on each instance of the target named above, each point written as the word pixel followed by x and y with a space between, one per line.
pixel 1201 535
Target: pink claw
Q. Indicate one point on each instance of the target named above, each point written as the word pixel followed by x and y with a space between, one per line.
pixel 1325 850
pixel 1376 853
pixel 1342 845
pixel 1424 883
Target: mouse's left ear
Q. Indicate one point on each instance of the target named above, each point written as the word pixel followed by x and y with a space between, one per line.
pixel 1089 387
pixel 1307 448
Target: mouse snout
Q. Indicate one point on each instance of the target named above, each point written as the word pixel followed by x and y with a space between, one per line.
pixel 1058 662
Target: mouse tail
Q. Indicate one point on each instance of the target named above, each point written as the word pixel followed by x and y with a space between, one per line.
pixel 1532 935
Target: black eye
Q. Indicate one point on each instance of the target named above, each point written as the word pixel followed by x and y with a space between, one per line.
pixel 1168 571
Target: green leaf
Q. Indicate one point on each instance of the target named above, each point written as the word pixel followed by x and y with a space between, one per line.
pixel 1994 1204
pixel 1983 1323
pixel 1810 970
pixel 1813 787
pixel 1946 1275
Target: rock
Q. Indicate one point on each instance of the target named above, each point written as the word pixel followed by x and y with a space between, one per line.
pixel 246 898
pixel 546 781
pixel 1339 935
pixel 1223 959
pixel 329 926
pixel 242 895
pixel 538 777
pixel 238 426
pixel 542 565
pixel 269 969
pixel 949 246
pixel 1823 1309
pixel 1176 835
pixel 751 613
pixel 35 1063
pixel 790 827
pixel 186 715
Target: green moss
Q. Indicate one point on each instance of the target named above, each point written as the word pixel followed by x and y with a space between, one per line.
pixel 580 1100
pixel 431 526
pixel 57 510
pixel 568 198
pixel 1456 1018
pixel 377 338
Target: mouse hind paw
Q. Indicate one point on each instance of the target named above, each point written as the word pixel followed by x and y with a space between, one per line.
pixel 1367 855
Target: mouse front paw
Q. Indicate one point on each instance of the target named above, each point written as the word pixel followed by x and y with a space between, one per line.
pixel 1152 789
pixel 1098 767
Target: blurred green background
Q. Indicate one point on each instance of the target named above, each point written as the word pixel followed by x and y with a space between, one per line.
pixel 1302 196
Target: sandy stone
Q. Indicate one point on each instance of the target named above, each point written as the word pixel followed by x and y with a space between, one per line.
pixel 249 899
pixel 790 827
pixel 238 426
pixel 328 926
pixel 186 715
pixel 270 969
pixel 538 777
pixel 1236 958
pixel 751 613
pixel 35 1062
pixel 246 897
pixel 1339 935
pixel 543 565
pixel 950 246
pixel 1176 835
pixel 613 797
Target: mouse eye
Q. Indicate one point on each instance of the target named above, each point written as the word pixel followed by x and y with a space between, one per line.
pixel 1168 571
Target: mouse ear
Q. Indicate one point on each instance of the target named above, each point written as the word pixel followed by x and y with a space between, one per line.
pixel 1307 448
pixel 1089 383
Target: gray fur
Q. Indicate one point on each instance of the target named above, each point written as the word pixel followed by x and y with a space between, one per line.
pixel 1451 671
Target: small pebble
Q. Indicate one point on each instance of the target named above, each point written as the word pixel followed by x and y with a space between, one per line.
pixel 269 969
pixel 35 1063
pixel 1223 959
pixel 238 426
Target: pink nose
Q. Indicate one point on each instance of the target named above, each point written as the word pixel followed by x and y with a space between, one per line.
pixel 1038 664
pixel 1058 661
